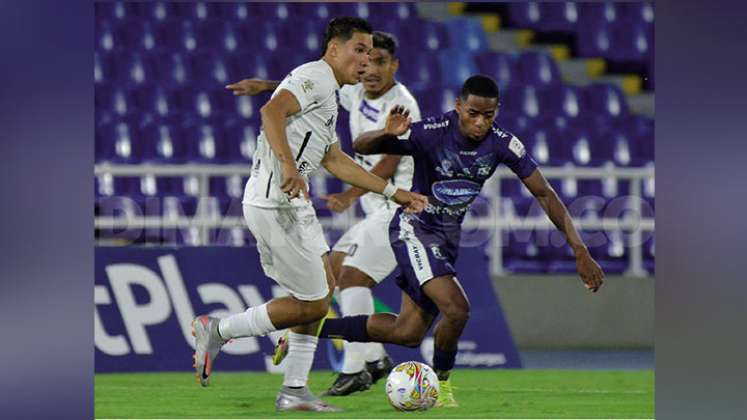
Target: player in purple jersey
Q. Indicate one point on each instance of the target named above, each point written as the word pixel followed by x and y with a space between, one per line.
pixel 454 155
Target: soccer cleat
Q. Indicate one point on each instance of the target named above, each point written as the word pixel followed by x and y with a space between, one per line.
pixel 347 383
pixel 290 399
pixel 446 395
pixel 207 346
pixel 281 349
pixel 380 368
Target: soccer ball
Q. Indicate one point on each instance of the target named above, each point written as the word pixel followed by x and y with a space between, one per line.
pixel 412 386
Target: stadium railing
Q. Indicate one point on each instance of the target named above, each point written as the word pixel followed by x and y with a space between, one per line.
pixel 629 220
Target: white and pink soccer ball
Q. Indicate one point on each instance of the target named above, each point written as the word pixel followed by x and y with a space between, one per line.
pixel 412 386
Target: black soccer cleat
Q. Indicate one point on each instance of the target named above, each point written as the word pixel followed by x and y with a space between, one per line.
pixel 347 383
pixel 380 368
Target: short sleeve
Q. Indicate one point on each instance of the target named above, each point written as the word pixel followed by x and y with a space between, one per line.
pixel 308 86
pixel 346 96
pixel 517 158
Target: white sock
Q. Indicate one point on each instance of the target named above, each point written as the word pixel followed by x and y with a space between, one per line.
pixel 358 301
pixel 253 322
pixel 301 348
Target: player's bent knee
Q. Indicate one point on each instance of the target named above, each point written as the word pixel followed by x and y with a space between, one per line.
pixel 352 277
pixel 456 313
pixel 315 310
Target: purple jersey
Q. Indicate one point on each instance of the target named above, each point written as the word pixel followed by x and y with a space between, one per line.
pixel 451 169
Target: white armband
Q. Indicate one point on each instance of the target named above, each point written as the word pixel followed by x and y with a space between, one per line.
pixel 389 190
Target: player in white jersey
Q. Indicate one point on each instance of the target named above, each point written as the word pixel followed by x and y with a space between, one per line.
pixel 297 137
pixel 363 257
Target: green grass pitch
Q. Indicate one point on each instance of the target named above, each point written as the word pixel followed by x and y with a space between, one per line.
pixel 526 394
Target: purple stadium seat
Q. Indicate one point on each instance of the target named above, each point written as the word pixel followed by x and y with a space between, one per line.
pixel 118 143
pixel 525 14
pixel 118 101
pixel 379 13
pixel 200 103
pixel 213 70
pixel 564 100
pixel 466 35
pixel 156 11
pixel 245 108
pixel 106 36
pixel 248 66
pixel 637 12
pixel 426 36
pixel 142 35
pixel 197 11
pixel 515 123
pixel 538 69
pixel 133 68
pixel 320 12
pixel 558 16
pixel 162 144
pixel 631 42
pixel 456 67
pixel 276 12
pixel 240 141
pixel 524 100
pixel 501 67
pixel 203 142
pixel 103 71
pixel 173 69
pixel 114 10
pixel 419 71
pixel 156 100
pixel 301 37
pixel 593 13
pixel 606 100
pixel 594 40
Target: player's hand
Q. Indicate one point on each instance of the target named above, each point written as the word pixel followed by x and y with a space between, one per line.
pixel 410 201
pixel 338 202
pixel 398 121
pixel 294 185
pixel 591 273
pixel 248 87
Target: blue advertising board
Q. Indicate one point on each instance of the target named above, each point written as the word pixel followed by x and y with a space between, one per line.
pixel 145 299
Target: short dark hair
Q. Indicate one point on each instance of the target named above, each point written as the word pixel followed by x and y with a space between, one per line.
pixel 385 41
pixel 479 85
pixel 343 28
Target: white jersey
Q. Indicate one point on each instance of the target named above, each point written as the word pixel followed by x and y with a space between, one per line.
pixel 370 114
pixel 310 134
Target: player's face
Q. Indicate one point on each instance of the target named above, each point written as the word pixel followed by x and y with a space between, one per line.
pixel 476 115
pixel 379 75
pixel 352 57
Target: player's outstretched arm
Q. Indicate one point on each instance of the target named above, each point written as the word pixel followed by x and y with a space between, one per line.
pixel 384 168
pixel 274 117
pixel 251 87
pixel 343 167
pixel 587 268
pixel 385 140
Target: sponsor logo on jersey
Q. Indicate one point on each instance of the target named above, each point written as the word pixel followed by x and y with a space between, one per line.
pixel 304 168
pixel 436 251
pixel 307 85
pixel 330 121
pixel 466 153
pixel 369 112
pixel 516 147
pixel 455 191
pixel 434 125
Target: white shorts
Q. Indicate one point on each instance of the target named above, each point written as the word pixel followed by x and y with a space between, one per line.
pixel 367 246
pixel 291 244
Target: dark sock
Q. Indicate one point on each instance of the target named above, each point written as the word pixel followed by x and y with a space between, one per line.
pixel 350 328
pixel 443 362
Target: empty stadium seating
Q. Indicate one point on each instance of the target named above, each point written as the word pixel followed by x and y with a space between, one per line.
pixel 160 69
